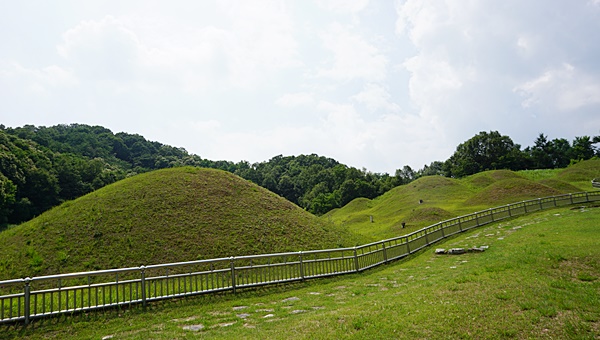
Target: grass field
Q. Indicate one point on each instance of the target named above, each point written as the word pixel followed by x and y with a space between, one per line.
pixel 540 278
pixel 443 198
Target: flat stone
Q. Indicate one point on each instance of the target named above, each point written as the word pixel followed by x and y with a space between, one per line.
pixel 457 251
pixel 184 319
pixel 440 251
pixel 194 328
pixel 293 298
pixel 107 337
pixel 240 307
pixel 243 315
pixel 268 316
pixel 297 311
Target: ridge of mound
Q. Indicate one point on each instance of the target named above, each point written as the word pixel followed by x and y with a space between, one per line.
pixel 583 171
pixel 429 215
pixel 483 179
pixel 510 190
pixel 169 215
pixel 559 185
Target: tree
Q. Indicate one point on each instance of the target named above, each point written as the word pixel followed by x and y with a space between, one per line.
pixel 434 168
pixel 540 153
pixel 560 153
pixel 582 148
pixel 7 198
pixel 405 175
pixel 484 151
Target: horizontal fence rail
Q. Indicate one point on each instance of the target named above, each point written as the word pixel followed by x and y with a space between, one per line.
pixel 23 300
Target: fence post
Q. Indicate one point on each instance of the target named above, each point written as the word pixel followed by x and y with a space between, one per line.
pixel 477 218
pixel 385 258
pixel 232 273
pixel 509 213
pixel 356 260
pixel 525 206
pixel 492 214
pixel 301 265
pixel 459 224
pixel 426 238
pixel 571 197
pixel 27 298
pixel 143 284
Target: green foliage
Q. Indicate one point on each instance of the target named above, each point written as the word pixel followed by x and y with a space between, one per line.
pixel 315 183
pixel 484 151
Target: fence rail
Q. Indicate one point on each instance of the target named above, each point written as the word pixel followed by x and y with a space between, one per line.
pixel 24 300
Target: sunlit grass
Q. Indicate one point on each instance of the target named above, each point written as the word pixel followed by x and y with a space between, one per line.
pixel 536 280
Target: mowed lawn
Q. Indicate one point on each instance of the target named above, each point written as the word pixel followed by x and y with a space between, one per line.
pixel 540 278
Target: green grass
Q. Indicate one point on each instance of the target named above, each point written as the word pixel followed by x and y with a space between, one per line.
pixel 444 198
pixel 538 279
pixel 169 215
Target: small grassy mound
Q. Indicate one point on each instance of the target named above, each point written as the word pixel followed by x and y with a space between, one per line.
pixel 169 215
pixel 486 178
pixel 509 191
pixel 559 185
pixel 581 173
pixel 429 215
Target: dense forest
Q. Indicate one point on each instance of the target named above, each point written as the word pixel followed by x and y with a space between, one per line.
pixel 41 167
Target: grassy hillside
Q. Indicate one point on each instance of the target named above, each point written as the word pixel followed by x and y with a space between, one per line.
pixel 539 279
pixel 169 215
pixel 444 198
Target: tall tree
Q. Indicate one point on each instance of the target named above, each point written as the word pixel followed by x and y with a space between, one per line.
pixel 484 151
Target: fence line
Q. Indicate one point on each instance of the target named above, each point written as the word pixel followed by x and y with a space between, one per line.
pixel 115 288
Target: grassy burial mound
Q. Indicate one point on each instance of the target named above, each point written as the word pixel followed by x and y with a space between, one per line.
pixel 169 215
pixel 434 198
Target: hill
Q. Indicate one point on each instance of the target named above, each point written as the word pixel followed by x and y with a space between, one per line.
pixel 169 215
pixel 431 199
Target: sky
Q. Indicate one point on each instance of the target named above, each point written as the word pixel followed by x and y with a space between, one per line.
pixel 373 84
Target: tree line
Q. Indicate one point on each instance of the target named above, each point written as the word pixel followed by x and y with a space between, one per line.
pixel 41 167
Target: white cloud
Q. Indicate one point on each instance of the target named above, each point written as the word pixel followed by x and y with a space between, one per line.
pixel 484 66
pixel 253 44
pixel 295 99
pixel 248 80
pixel 564 88
pixel 39 81
pixel 375 97
pixel 344 6
pixel 353 56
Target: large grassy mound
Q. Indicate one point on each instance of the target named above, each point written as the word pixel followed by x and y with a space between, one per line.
pixel 434 198
pixel 168 215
